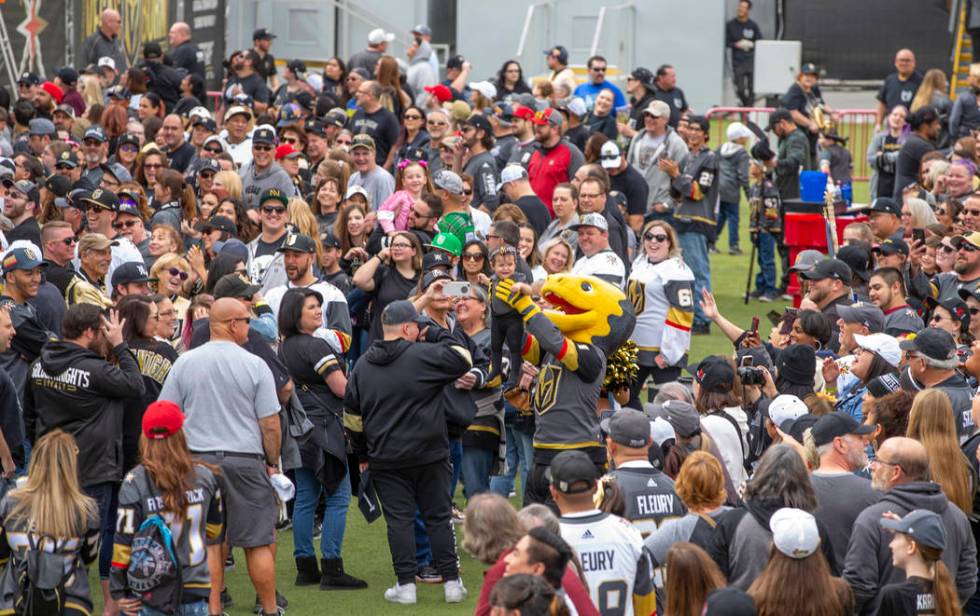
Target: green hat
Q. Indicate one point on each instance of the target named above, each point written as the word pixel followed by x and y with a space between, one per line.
pixel 447 242
pixel 274 193
pixel 458 224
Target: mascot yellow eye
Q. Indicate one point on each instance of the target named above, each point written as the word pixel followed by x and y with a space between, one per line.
pixel 586 287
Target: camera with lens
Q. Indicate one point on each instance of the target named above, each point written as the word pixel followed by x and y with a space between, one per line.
pixel 751 375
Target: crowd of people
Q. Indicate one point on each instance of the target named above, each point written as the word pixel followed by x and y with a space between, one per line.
pixel 224 318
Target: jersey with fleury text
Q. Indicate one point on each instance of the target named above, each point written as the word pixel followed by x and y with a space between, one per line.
pixel 648 496
pixel 616 565
pixel 662 295
pixel 202 526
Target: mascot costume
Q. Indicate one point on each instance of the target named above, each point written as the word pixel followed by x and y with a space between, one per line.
pixel 570 345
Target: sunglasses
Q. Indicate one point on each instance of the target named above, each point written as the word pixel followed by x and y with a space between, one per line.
pixel 974 312
pixel 412 117
pixel 971 212
pixel 214 150
pixel 206 174
pixel 69 241
pixel 660 237
pixel 599 69
pixel 173 271
pixel 128 148
pixel 437 123
pixel 279 211
pixel 468 192
pixel 128 224
pixel 947 249
pixel 262 148
pixel 473 256
pixel 152 165
pixel 968 247
pixel 936 318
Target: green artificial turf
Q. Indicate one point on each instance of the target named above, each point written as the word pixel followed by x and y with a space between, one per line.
pixel 366 546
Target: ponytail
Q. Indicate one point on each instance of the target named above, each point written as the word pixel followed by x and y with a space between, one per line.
pixel 557 606
pixel 943 589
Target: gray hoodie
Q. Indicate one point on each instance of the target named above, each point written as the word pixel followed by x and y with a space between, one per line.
pixel 254 183
pixel 420 74
pixel 868 565
pixel 733 172
pixel 646 163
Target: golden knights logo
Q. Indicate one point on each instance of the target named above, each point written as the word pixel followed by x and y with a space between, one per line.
pixel 546 387
pixel 637 294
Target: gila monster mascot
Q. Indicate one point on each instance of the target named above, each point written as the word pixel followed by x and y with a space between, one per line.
pixel 570 344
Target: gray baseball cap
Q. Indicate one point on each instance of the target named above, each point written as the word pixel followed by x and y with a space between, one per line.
pixel 922 525
pixel 401 311
pixel 448 181
pixel 683 417
pixel 865 313
pixel 806 259
pixel 628 427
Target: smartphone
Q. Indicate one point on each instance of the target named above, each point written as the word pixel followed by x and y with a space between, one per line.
pixel 919 235
pixel 456 288
pixel 774 317
pixel 755 326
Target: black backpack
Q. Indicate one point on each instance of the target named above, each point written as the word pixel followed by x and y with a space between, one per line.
pixel 154 572
pixel 41 578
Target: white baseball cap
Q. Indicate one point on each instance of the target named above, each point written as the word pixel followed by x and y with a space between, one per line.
pixel 610 155
pixel 737 130
pixel 511 173
pixel 199 112
pixel 786 408
pixel 378 36
pixel 576 106
pixel 884 345
pixel 661 431
pixel 107 61
pixel 487 89
pixel 794 532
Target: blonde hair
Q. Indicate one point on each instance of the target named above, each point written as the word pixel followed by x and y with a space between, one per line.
pixel 934 81
pixel 91 90
pixel 165 262
pixel 931 423
pixel 556 241
pixel 701 481
pixel 974 76
pixel 51 499
pixel 675 244
pixel 305 222
pixel 922 214
pixel 232 183
pixel 490 527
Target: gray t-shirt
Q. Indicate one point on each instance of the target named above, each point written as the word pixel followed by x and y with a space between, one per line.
pixel 378 183
pixel 841 497
pixel 224 391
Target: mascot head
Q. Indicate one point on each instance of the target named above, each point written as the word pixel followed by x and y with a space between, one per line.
pixel 589 310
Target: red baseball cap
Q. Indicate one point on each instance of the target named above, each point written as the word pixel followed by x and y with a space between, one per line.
pixel 162 419
pixel 525 113
pixel 441 92
pixel 547 116
pixel 53 90
pixel 286 150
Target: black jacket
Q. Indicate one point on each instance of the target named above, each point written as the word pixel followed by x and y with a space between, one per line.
pixel 77 390
pixel 164 81
pixel 394 406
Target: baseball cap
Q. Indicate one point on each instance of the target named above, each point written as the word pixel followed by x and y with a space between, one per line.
pixel 22 259
pixel 329 240
pixel 105 199
pixel 314 126
pixel 785 409
pixel 921 525
pixel 797 364
pixel 829 268
pixel 973 239
pixel 117 171
pixel 117 92
pixel 152 49
pixel 357 190
pixel 487 89
pixel 628 427
pixel 107 62
pixel 25 187
pixel 436 258
pixel 865 313
pixel 806 259
pixel 794 532
pixel 644 76
pixel 262 34
pixel 208 165
pixel 447 242
pixel 479 122
pixel 575 106
pixel 95 132
pixel 441 92
pixel 401 311
pixel 290 113
pixel 887 205
pixel 958 309
pixel 287 150
pixel 778 116
pixel 550 116
pixel 658 109
pixel 883 385
pixel 892 247
pixel 422 29
pixel 128 204
pixel 264 135
pixel 68 110
pixel 95 241
pixel 884 345
pixel 683 417
pixel 237 110
pixel 809 68
pixel 559 51
pixel 573 472
pixel 235 285
pixel 54 91
pixel 68 159
pixel 592 219
pixel 858 259
pixel 29 79
pixel 362 141
pixel 431 276
pixel 297 242
pixel 378 36
pixel 162 419
pixel 41 126
pixel 336 117
pixel 524 112
pixel 221 223
pixel 58 184
pixel 833 425
pixel 737 130
pixel 932 342
pixel 448 181
pixel 610 155
pixel 512 173
pixel 130 272
pixel 273 194
pixel 713 374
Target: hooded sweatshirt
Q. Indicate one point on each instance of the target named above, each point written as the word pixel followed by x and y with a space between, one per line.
pixel 394 404
pixel 420 74
pixel 255 182
pixel 733 171
pixel 76 389
pixel 868 564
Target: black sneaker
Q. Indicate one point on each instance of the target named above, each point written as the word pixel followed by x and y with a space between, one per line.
pixel 281 603
pixel 428 575
pixel 284 524
pixel 226 598
pixel 230 561
pixel 700 329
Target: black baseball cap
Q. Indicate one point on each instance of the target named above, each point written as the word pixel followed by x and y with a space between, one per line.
pixel 401 311
pixel 644 76
pixel 105 199
pixel 479 121
pixel 713 374
pixel 886 205
pixel 797 364
pixel 262 34
pixel 829 268
pixel 329 240
pixel 67 75
pixel 316 127
pixel 130 272
pixel 434 259
pixel 628 427
pixel 264 135
pixel 560 51
pixel 934 343
pixel 29 78
pixel 455 61
pixel 573 472
pixel 152 49
pixel 235 285
pixel 298 242
pixel 221 223
pixel 59 185
pixel 883 385
pixel 434 275
pixel 835 424
pixel 892 247
pixel 858 258
pixel 68 159
pixel 809 68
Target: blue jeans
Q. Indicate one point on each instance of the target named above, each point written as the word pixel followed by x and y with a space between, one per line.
pixel 106 497
pixel 765 279
pixel 972 607
pixel 728 212
pixel 199 608
pixel 520 450
pixel 695 248
pixel 308 490
pixel 476 471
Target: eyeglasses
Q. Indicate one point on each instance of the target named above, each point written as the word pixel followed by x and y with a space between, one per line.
pixel 207 175
pixel 492 236
pixel 419 215
pixel 910 355
pixel 262 148
pixel 472 256
pixel 967 247
pixel 946 249
pixel 660 237
pixel 273 211
pixel 936 318
pixel 412 116
pixel 974 312
pixel 589 195
pixel 887 463
pixel 173 271
pixel 152 165
pixel 125 224
pixel 128 148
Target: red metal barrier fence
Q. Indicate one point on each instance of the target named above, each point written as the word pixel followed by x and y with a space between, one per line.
pixel 857 125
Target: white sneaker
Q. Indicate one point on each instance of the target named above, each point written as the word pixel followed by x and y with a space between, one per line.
pixel 401 593
pixel 455 591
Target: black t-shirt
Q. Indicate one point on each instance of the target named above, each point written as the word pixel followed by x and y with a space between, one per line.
pixel 675 100
pixel 894 91
pixel 309 361
pixel 909 161
pixel 886 179
pixel 578 135
pixel 796 99
pixel 28 230
pixel 181 158
pixel 340 280
pixel 632 184
pixel 536 212
pixel 909 598
pixel 389 286
pixel 383 127
pixel 253 85
pixel 155 360
pixel 189 57
pixel 266 66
